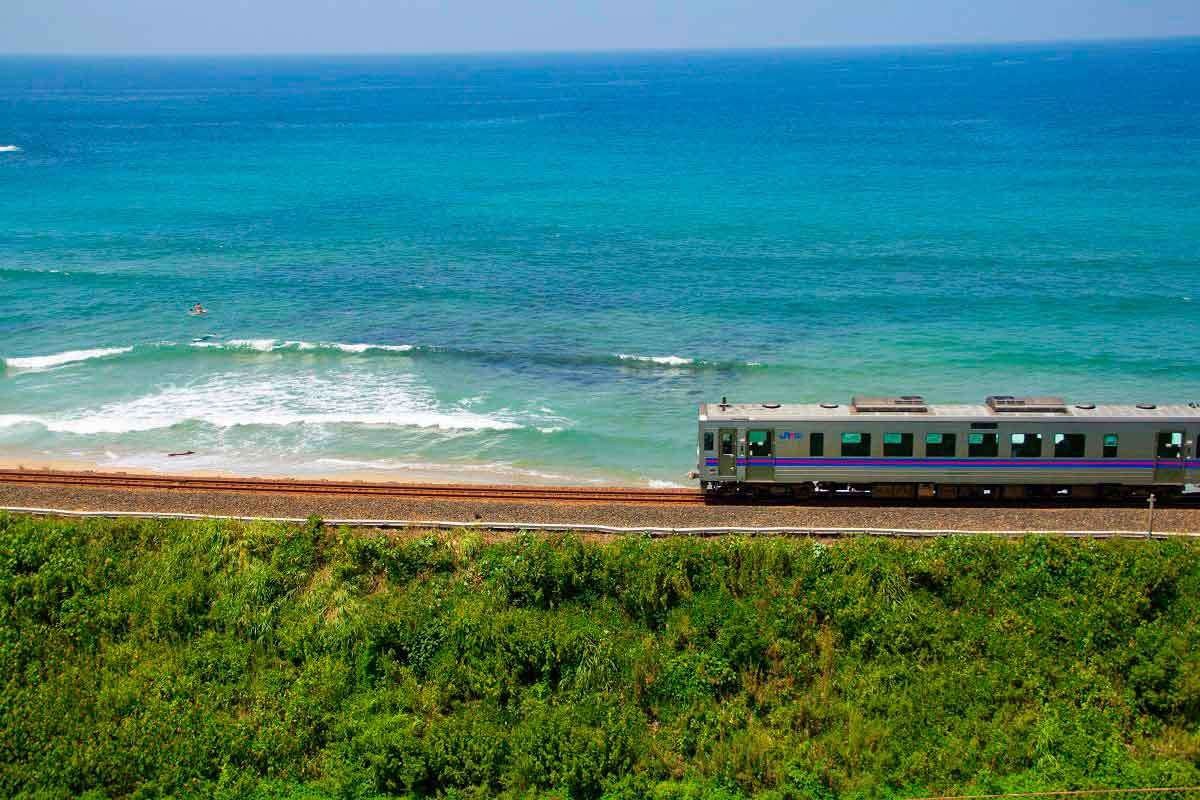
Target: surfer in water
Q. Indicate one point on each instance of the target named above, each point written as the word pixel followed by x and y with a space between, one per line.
pixel 197 310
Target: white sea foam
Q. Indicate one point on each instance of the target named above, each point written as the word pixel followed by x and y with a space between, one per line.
pixel 9 148
pixel 273 345
pixel 261 345
pixel 12 420
pixel 257 345
pixel 59 359
pixel 229 400
pixel 145 416
pixel 362 348
pixel 670 361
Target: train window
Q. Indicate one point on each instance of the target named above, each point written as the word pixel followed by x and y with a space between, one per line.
pixel 1170 445
pixel 708 440
pixel 1027 445
pixel 816 444
pixel 758 444
pixel 1069 445
pixel 1110 445
pixel 983 445
pixel 856 444
pixel 726 443
pixel 940 445
pixel 897 445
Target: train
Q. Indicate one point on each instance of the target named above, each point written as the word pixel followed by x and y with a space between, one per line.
pixel 1007 448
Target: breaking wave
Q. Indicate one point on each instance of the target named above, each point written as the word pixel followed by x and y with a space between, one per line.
pixel 669 361
pixel 9 148
pixel 114 420
pixel 274 345
pixel 59 359
pixel 214 345
pixel 9 420
pixel 627 359
pixel 227 401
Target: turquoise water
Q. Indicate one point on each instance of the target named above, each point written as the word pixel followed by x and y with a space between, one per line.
pixel 532 268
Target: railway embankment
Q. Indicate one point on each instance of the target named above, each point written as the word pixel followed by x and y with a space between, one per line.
pixel 218 659
pixel 617 509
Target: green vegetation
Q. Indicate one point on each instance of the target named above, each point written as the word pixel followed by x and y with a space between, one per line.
pixel 203 659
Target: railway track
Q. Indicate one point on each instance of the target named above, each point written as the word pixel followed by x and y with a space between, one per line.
pixel 552 494
pixel 566 494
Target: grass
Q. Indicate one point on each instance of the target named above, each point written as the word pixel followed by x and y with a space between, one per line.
pixel 147 659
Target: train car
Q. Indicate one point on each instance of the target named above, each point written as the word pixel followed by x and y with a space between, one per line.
pixel 903 447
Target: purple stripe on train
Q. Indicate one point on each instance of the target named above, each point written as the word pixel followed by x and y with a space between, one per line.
pixel 1008 463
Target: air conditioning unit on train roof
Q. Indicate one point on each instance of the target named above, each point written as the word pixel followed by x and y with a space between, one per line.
pixel 875 405
pixel 1035 405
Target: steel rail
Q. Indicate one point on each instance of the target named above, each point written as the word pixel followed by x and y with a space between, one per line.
pixel 568 494
pixel 398 490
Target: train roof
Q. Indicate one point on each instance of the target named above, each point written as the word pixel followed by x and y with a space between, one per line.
pixel 913 407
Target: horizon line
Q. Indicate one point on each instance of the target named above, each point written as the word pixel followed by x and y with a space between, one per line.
pixel 922 44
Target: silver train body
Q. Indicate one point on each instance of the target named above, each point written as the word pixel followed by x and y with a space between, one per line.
pixel 1007 447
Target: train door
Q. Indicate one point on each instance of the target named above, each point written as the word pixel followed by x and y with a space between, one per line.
pixel 1192 458
pixel 1168 457
pixel 727 465
pixel 760 455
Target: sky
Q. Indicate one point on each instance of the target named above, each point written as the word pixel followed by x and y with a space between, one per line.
pixel 423 26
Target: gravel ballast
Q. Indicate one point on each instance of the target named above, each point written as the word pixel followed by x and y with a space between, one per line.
pixel 335 506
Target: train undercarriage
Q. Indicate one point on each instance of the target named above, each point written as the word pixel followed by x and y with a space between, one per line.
pixel 815 490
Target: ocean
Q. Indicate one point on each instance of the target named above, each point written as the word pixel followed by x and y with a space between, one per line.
pixel 532 268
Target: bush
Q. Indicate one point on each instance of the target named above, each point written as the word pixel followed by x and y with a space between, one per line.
pixel 236 661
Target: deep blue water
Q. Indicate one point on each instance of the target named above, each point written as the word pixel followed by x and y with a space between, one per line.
pixel 791 225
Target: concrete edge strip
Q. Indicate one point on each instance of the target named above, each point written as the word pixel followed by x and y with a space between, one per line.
pixel 556 527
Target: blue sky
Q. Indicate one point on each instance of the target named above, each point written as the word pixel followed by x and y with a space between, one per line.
pixel 400 26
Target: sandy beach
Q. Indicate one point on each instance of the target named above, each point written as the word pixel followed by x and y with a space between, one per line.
pixel 448 473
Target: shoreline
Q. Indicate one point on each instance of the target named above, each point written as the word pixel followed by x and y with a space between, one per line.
pixel 450 474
